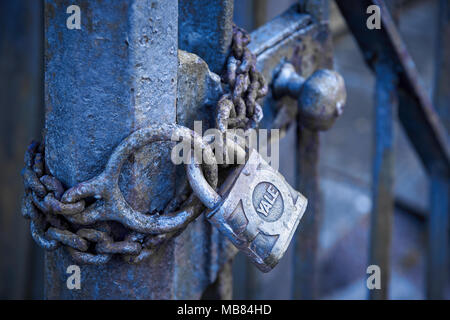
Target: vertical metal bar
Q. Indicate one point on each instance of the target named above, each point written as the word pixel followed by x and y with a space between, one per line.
pixel 259 13
pixel 21 107
pixel 437 253
pixel 306 239
pixel 305 269
pixel 116 74
pixel 442 65
pixel 386 104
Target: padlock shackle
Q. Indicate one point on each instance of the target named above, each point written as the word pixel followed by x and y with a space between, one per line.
pixel 207 195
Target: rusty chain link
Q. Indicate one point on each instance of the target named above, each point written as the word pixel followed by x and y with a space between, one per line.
pixel 92 219
pixel 61 217
pixel 238 107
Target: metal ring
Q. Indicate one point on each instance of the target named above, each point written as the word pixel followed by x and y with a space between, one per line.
pixel 106 187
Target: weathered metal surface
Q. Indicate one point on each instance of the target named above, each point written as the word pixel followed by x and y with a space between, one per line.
pixel 222 288
pixel 321 97
pixel 305 266
pixel 239 107
pixel 21 24
pixel 121 68
pixel 386 104
pixel 50 208
pixel 199 90
pixel 94 63
pixel 205 29
pixel 105 186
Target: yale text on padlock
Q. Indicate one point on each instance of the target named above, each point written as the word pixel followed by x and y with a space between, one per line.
pixel 259 212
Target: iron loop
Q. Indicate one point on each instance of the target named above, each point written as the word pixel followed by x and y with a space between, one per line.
pixel 114 206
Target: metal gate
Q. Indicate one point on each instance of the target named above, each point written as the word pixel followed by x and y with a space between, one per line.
pixel 137 63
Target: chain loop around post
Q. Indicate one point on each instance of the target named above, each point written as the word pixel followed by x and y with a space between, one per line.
pixel 59 217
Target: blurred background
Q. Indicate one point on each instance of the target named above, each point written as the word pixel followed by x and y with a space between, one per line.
pixel 345 166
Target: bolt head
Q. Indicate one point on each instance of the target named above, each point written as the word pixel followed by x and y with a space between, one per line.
pixel 322 99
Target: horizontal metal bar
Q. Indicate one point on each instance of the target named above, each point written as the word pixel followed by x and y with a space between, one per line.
pixel 416 111
pixel 291 36
pixel 278 30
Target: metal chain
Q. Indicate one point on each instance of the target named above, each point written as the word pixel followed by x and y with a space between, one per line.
pixel 63 217
pixel 56 219
pixel 43 207
pixel 238 107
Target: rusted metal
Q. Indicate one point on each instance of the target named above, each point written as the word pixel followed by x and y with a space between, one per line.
pixel 107 188
pixel 110 204
pixel 239 108
pixel 321 97
pixel 293 37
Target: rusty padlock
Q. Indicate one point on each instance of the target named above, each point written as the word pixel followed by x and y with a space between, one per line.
pixel 256 209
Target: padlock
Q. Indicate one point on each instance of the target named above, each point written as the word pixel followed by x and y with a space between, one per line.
pixel 256 209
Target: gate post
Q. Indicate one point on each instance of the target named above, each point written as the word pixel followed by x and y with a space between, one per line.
pixel 116 74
